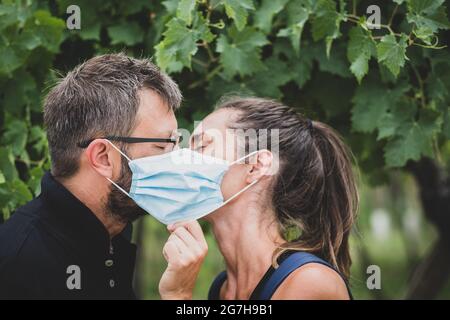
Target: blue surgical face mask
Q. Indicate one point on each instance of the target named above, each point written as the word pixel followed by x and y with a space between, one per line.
pixel 178 186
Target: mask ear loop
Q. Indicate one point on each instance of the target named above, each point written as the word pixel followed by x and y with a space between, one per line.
pixel 247 187
pixel 126 157
pixel 244 157
pixel 238 193
pixel 120 151
pixel 119 187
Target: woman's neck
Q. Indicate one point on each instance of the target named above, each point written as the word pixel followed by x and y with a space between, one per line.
pixel 247 238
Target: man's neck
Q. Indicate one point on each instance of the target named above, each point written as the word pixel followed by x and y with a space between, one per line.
pixel 94 200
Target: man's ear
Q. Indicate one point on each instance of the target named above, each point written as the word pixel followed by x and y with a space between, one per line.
pixel 260 165
pixel 103 158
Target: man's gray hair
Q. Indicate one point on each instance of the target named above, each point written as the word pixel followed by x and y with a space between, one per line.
pixel 99 98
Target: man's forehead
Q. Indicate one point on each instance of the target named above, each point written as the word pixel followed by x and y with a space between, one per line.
pixel 154 115
pixel 160 126
pixel 151 104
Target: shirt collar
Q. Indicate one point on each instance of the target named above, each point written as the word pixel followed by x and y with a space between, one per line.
pixel 73 220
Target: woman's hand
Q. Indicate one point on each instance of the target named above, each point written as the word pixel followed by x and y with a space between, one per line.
pixel 184 252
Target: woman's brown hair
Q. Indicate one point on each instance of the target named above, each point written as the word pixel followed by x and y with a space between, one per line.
pixel 314 189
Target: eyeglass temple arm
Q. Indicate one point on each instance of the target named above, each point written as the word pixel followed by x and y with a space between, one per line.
pixel 85 143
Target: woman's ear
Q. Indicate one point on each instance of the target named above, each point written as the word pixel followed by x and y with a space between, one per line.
pixel 260 165
pixel 101 157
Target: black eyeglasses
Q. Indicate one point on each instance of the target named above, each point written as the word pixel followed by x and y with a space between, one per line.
pixel 174 140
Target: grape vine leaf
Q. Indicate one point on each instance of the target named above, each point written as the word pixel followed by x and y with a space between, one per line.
pixel 238 11
pixel 240 51
pixel 392 53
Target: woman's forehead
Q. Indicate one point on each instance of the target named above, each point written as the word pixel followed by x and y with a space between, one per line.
pixel 219 119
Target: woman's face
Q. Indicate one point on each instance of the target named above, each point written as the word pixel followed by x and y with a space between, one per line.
pixel 212 137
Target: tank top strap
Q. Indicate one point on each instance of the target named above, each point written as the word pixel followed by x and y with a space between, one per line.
pixel 294 261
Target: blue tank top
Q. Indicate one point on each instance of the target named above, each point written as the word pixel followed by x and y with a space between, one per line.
pixel 289 261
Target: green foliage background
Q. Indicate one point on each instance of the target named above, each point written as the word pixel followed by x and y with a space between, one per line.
pixel 386 90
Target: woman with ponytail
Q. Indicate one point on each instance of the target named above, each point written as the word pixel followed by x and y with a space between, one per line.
pixel 287 235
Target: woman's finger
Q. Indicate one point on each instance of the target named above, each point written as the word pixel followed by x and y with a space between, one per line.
pixel 187 238
pixel 194 228
pixel 170 251
pixel 173 226
pixel 181 246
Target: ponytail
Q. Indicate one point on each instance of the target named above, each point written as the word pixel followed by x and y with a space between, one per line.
pixel 324 204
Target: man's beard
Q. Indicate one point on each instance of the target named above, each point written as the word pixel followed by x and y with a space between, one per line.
pixel 118 204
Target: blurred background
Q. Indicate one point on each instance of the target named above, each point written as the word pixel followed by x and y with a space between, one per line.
pixel 386 90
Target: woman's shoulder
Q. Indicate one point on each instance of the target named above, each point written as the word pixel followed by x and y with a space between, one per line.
pixel 313 281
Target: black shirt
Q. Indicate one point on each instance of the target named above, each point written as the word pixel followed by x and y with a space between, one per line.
pixel 55 247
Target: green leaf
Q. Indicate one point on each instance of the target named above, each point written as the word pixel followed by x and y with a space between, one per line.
pixel 428 16
pixel 424 6
pixel 238 11
pixel 392 53
pixel 2 178
pixel 326 21
pixel 171 6
pixel 425 34
pixel 7 16
pixel 16 134
pixel 415 140
pixel 180 43
pixel 185 10
pixel 398 151
pixel 399 115
pixel 47 28
pixel 371 101
pixel 240 51
pixel 336 63
pixel 302 69
pixel 128 33
pixel 28 39
pixel 201 28
pixel 177 48
pixel 297 17
pixel 359 51
pixel 265 13
pixel 14 14
pixel 21 91
pixel 91 32
pixel 438 83
pixel 267 83
pixel 20 193
pixel 39 139
pixel 10 60
pixel 300 66
pixel 7 163
pixel 360 67
pixel 34 182
pixel 433 22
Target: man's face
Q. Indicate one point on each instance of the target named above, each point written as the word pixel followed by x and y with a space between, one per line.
pixel 154 119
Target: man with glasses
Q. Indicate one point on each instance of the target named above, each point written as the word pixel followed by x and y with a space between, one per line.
pixel 73 241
